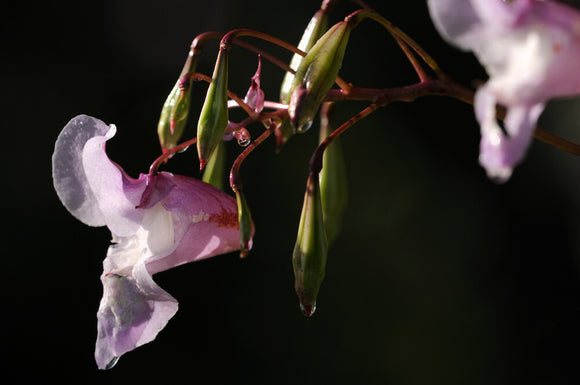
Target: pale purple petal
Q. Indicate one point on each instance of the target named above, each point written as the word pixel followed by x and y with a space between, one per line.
pixel 499 153
pixel 94 189
pixel 117 194
pixel 456 21
pixel 205 222
pixel 69 178
pixel 469 24
pixel 183 220
pixel 133 308
pixel 503 13
pixel 157 222
pixel 132 312
pixel 157 189
pixel 155 238
pixel 530 50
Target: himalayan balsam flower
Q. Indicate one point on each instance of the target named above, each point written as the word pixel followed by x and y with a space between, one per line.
pixel 531 51
pixel 157 221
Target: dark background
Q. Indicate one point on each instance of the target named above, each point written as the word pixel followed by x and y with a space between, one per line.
pixel 440 276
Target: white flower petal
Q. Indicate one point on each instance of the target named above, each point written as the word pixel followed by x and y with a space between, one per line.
pixel 70 181
pixel 132 312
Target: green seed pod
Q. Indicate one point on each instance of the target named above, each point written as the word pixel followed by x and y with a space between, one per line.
pixel 310 250
pixel 214 172
pixel 180 110
pixel 175 111
pixel 316 75
pixel 333 182
pixel 213 119
pixel 246 224
pixel 283 132
pixel 315 29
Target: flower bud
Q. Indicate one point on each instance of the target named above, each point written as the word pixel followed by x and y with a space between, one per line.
pixel 316 75
pixel 333 183
pixel 176 108
pixel 310 250
pixel 213 119
pixel 255 96
pixel 246 224
pixel 214 172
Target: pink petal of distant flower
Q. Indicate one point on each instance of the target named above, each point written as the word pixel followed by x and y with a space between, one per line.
pixel 498 152
pixel 531 51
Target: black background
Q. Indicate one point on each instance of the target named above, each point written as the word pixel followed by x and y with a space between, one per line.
pixel 440 276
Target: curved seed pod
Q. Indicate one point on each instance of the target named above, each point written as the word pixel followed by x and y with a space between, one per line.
pixel 316 74
pixel 310 250
pixel 333 182
pixel 213 119
pixel 175 111
pixel 315 29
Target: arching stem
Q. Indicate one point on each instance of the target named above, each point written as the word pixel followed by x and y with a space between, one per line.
pixel 357 16
pixel 163 158
pixel 317 156
pixel 443 87
pixel 235 180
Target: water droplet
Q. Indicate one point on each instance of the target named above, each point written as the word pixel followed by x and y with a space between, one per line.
pixel 112 363
pixel 308 310
pixel 305 127
pixel 243 136
pixel 244 142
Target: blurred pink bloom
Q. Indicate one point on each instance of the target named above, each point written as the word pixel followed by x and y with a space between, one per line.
pixel 157 221
pixel 531 51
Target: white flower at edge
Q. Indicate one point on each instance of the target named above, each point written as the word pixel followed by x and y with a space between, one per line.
pixel 531 51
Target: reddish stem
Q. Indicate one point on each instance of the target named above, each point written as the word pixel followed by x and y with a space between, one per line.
pixel 235 181
pixel 443 87
pixel 163 158
pixel 229 37
pixel 317 156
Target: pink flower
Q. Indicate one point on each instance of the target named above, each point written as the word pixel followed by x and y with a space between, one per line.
pixel 157 222
pixel 531 51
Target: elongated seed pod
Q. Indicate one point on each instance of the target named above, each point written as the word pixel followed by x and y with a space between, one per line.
pixel 310 250
pixel 213 119
pixel 316 74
